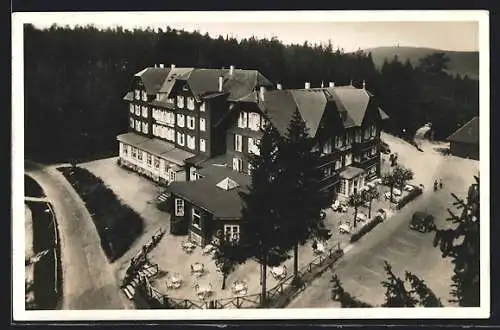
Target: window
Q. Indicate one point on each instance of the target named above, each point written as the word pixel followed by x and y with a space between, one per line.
pixel 348 159
pixel 196 218
pixel 342 187
pixel 170 118
pixel 170 134
pixel 232 231
pixel 134 152
pixel 374 151
pixel 144 96
pixel 157 162
pixel 139 155
pixel 179 207
pixel 180 120
pixel 125 149
pixel 137 94
pixel 348 140
pixel 327 147
pixel 190 103
pixel 373 131
pixel 191 142
pixel 180 101
pixel 237 164
pixel 180 138
pixel 145 128
pixel 202 145
pixel 137 125
pixel 192 174
pixel 148 159
pixel 172 175
pixel 202 124
pixel 131 107
pixel 243 120
pixel 202 107
pixel 338 164
pixel 238 142
pixel 327 172
pixel 367 133
pixel 253 146
pixel 250 169
pixel 358 135
pixel 132 122
pixel 155 133
pixel 137 110
pixel 254 121
pixel 190 122
pixel 338 141
pixel 170 100
pixel 145 112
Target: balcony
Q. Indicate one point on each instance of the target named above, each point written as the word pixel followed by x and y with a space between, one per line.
pixel 363 161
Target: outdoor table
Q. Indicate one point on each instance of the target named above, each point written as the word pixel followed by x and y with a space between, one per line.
pixel 408 187
pixel 240 287
pixel 175 281
pixel 208 248
pixel 203 290
pixel 320 248
pixel 361 217
pixel 278 272
pixel 397 192
pixel 197 269
pixel 344 228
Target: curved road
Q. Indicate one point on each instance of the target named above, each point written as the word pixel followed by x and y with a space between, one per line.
pixel 362 268
pixel 88 277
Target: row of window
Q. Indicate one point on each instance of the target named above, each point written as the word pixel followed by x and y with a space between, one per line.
pixel 150 159
pixel 140 95
pixel 253 144
pixel 368 154
pixel 252 120
pixel 139 126
pixel 238 166
pixel 138 110
pixel 164 132
pixel 190 141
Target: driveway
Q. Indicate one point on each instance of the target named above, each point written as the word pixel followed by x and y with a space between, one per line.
pixel 361 270
pixel 88 280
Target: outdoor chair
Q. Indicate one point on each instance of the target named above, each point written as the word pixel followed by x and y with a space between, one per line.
pixel 208 249
pixel 320 248
pixel 239 288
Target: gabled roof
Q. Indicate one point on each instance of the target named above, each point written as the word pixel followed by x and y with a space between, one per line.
pixel 153 78
pixel 383 114
pixel 279 106
pixel 468 133
pixel 351 172
pixel 311 104
pixel 204 82
pixel 354 101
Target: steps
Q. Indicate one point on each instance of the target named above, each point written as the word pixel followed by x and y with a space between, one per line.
pixel 163 197
pixel 147 271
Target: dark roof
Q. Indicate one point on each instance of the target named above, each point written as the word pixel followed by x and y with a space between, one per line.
pixel 279 106
pixel 351 172
pixel 131 138
pixel 311 104
pixel 354 101
pixel 468 133
pixel 153 78
pixel 204 193
pixel 205 82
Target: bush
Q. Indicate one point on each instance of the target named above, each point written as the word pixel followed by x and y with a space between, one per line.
pixel 117 224
pixel 366 228
pixel 417 191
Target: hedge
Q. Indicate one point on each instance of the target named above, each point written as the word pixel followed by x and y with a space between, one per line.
pixel 417 191
pixel 117 224
pixel 366 228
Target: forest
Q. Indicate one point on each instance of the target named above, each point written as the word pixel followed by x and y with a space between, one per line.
pixel 75 79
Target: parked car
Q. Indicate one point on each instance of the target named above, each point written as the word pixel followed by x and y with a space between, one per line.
pixel 422 222
pixel 384 147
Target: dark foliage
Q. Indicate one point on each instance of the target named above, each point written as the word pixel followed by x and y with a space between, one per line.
pixel 75 79
pixel 32 188
pixel 366 228
pixel 417 191
pixel 116 223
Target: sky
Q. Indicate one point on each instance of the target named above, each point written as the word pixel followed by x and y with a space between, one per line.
pixel 459 32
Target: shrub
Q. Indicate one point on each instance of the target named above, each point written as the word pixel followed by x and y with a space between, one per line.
pixel 117 224
pixel 417 191
pixel 366 228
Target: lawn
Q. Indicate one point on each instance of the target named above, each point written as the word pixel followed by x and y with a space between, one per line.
pixel 117 224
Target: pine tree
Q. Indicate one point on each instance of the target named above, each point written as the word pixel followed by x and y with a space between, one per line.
pixel 462 245
pixel 260 214
pixel 302 200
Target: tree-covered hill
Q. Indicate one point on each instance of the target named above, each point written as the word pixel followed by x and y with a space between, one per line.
pixel 75 80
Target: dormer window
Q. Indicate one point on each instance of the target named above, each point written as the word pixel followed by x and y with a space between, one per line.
pixel 243 120
pixel 157 96
pixel 180 101
pixel 144 96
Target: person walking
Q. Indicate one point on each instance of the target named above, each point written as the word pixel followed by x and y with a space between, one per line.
pixel 435 185
pixel 440 184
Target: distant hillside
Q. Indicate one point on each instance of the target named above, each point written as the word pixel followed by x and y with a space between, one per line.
pixel 460 62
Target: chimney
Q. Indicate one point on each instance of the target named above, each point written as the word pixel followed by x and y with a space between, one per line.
pixel 331 84
pixel 278 86
pixel 261 93
pixel 221 81
pixel 364 84
pixel 231 70
pixel 162 66
pixel 307 85
pixel 350 82
pixel 322 84
pixel 172 66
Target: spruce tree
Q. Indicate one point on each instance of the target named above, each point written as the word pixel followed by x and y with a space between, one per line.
pixel 261 220
pixel 461 243
pixel 302 200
